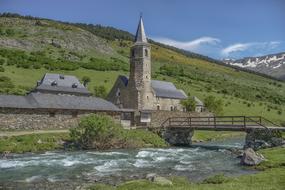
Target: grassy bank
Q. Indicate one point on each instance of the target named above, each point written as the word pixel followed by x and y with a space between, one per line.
pixel 272 177
pixel 215 135
pixel 93 132
pixel 33 142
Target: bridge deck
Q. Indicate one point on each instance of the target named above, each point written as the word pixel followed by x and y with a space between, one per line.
pixel 221 123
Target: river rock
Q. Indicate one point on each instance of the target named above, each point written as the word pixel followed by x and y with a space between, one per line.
pixel 158 179
pixel 251 158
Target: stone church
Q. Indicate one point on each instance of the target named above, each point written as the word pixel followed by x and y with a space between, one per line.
pixel 138 91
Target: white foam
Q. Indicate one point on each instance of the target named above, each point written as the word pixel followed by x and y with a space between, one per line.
pixel 183 167
pixel 144 154
pixel 109 166
pixel 33 178
pixel 140 163
pixel 108 153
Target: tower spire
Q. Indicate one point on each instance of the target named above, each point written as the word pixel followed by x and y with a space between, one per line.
pixel 140 34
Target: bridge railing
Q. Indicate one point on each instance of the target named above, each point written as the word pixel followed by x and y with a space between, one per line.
pixel 240 122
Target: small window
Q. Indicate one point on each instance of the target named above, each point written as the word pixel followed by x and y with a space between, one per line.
pixel 52 114
pixel 171 108
pixel 146 77
pixel 158 107
pixel 147 97
pixel 146 52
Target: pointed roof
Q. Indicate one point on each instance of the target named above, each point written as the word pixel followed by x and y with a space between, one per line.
pixel 140 35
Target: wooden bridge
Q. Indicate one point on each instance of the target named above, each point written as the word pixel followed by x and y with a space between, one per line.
pixel 221 123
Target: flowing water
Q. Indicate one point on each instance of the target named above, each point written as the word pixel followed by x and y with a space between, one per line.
pixel 196 163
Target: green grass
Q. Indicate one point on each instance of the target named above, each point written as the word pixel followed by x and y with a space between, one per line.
pixel 54 141
pixel 215 135
pixel 33 142
pixel 272 178
pixel 143 138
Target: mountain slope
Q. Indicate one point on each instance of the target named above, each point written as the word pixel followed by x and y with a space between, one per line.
pixel 29 47
pixel 273 64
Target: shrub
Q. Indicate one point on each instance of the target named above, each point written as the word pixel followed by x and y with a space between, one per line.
pixel 189 104
pixel 2 69
pixel 100 91
pixel 213 105
pixel 94 131
pixel 2 61
pixel 217 179
pixel 6 82
pixel 101 132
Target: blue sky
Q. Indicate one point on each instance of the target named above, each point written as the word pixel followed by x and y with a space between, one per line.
pixel 216 28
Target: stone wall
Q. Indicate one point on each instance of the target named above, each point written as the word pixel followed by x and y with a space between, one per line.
pixel 158 117
pixel 21 119
pixel 168 104
pixel 263 138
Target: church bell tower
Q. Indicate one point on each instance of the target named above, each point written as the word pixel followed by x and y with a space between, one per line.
pixel 139 85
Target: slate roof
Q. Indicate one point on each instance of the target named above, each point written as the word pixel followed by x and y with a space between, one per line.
pixel 53 101
pixel 167 90
pixel 56 83
pixel 162 89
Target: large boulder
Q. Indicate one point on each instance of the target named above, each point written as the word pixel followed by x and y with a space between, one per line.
pixel 251 158
pixel 178 136
pixel 158 179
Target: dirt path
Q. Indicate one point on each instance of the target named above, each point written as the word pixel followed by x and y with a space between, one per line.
pixel 18 133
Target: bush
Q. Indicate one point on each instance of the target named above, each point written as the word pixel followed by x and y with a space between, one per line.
pixel 2 61
pixel 217 179
pixel 189 104
pixel 101 132
pixel 6 82
pixel 213 105
pixel 2 69
pixel 85 80
pixel 94 131
pixel 100 91
pixel 104 65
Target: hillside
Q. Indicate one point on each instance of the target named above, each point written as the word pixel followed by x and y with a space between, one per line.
pixel 30 47
pixel 273 64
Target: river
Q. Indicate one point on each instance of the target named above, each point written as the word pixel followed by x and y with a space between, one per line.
pixel 195 163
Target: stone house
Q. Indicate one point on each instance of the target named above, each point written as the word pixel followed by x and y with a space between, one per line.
pixel 58 101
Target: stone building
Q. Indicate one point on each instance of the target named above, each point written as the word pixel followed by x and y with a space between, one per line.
pixel 139 92
pixel 58 101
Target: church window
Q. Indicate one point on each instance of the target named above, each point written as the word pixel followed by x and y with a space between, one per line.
pixel 146 97
pixel 158 107
pixel 171 108
pixel 146 52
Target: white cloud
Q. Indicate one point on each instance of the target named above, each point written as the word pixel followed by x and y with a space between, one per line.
pixel 238 47
pixel 189 45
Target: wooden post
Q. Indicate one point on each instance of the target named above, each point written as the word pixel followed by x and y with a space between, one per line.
pixel 244 122
pixel 215 122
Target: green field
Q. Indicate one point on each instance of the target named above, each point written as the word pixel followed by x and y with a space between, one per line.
pixel 57 47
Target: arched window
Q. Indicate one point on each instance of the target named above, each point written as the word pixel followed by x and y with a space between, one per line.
pixel 158 107
pixel 171 108
pixel 146 52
